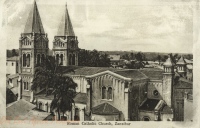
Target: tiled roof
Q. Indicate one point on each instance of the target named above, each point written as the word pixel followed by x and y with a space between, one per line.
pixel 79 70
pixel 153 73
pixel 184 83
pixel 81 98
pixel 105 109
pixel 18 109
pixel 134 74
pixel 34 23
pixel 14 58
pixel 35 115
pixel 65 27
pixel 149 105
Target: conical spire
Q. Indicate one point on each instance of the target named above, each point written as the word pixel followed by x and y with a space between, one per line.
pixel 65 27
pixel 34 23
pixel 181 61
pixel 169 61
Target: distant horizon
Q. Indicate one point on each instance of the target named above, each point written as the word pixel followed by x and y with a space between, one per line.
pixel 125 51
pixel 153 26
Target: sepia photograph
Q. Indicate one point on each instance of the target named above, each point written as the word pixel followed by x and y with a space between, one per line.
pixel 92 62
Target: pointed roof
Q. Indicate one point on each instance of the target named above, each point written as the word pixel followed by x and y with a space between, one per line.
pixel 65 26
pixel 181 61
pixel 105 109
pixel 34 23
pixel 169 61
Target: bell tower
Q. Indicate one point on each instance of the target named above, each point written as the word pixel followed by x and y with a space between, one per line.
pixel 168 78
pixel 33 48
pixel 65 43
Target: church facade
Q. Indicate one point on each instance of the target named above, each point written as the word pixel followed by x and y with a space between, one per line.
pixel 103 94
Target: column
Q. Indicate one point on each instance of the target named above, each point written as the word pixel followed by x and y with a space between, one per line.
pixel 32 94
pixel 73 109
pixel 19 88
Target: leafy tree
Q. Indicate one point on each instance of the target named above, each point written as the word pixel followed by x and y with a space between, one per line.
pixel 139 56
pixel 125 56
pixel 159 58
pixel 49 75
pixel 93 59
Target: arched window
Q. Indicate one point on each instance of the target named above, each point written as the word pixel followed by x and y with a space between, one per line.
pixel 57 59
pixel 28 60
pixel 103 92
pixel 73 59
pixel 109 93
pixel 42 58
pixel 24 60
pixel 61 59
pixel 38 58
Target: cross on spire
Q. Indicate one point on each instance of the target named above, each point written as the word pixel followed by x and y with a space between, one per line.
pixel 65 26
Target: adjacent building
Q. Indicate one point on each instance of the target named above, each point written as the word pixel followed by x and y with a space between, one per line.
pixel 103 94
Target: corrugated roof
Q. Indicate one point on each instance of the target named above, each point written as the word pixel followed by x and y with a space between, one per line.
pixel 65 26
pixel 149 104
pixel 34 23
pixel 18 109
pixel 81 98
pixel 14 58
pixel 105 109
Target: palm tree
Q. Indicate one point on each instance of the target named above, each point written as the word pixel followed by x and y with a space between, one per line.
pixel 50 75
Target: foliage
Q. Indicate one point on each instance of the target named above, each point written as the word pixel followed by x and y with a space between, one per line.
pixel 93 59
pixel 48 76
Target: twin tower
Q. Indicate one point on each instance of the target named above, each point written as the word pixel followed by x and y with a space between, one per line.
pixel 34 47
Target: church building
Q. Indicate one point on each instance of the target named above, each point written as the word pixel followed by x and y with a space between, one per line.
pixel 103 94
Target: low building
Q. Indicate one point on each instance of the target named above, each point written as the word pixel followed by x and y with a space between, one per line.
pixel 12 65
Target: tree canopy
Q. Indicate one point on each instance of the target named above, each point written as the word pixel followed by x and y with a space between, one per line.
pixel 48 77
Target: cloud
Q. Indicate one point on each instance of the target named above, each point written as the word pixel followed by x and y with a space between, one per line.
pixel 99 25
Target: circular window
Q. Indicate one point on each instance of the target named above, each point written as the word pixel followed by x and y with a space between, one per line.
pixel 155 93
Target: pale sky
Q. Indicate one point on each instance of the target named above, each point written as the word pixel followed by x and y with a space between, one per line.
pixel 153 26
